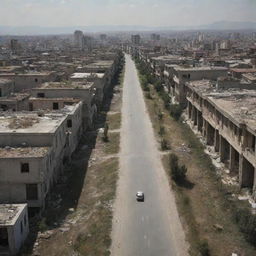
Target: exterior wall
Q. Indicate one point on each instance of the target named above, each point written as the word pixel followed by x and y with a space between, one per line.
pixel 13 182
pixel 75 132
pixel 31 139
pixel 47 103
pixel 6 88
pixel 14 105
pixel 28 81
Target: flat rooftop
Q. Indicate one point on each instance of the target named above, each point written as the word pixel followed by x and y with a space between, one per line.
pixel 238 104
pixel 14 97
pixel 44 73
pixel 5 81
pixel 31 122
pixel 23 152
pixel 66 85
pixel 100 64
pixel 10 69
pixel 9 213
pixel 86 75
pixel 171 57
pixel 243 70
pixel 194 69
pixel 69 100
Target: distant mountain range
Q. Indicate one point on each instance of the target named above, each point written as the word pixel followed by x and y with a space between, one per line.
pixel 36 30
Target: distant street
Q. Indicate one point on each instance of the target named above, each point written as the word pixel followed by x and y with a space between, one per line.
pixel 150 228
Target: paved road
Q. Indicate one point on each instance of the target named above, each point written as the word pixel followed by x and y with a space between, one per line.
pixel 152 227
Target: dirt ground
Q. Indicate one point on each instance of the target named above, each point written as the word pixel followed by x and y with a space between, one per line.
pixel 206 215
pixel 78 218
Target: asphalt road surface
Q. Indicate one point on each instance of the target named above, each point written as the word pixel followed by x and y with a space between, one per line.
pixel 152 227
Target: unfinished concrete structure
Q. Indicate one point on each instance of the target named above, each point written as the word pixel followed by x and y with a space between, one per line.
pixel 29 80
pixel 99 82
pixel 181 75
pixel 227 121
pixel 6 87
pixel 84 91
pixel 14 227
pixel 33 149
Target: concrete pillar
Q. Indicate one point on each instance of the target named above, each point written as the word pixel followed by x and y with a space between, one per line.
pixel 232 161
pixel 221 149
pixel 196 117
pixel 241 164
pixel 246 173
pixel 216 140
pixel 189 110
pixel 204 128
pixel 193 114
pixel 209 134
pixel 199 121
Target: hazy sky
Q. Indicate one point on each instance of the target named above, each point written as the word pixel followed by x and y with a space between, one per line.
pixel 123 12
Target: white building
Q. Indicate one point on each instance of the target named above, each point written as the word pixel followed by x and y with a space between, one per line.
pixel 14 227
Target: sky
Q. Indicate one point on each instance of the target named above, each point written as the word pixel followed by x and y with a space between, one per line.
pixel 52 13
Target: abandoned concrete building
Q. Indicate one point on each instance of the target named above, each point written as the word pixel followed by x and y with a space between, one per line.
pixel 84 91
pixel 99 82
pixel 33 149
pixel 181 75
pixel 227 124
pixel 6 87
pixel 14 227
pixel 10 100
pixel 29 80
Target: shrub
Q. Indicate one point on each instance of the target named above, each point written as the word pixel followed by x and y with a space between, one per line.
pixel 42 225
pixel 158 86
pixel 105 134
pixel 166 99
pixel 164 144
pixel 178 173
pixel 161 131
pixel 175 111
pixel 203 248
pixel 247 224
pixel 160 115
pixel 148 95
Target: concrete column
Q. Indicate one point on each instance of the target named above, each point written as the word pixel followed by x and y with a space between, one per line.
pixel 221 149
pixel 216 140
pixel 189 110
pixel 193 113
pixel 232 162
pixel 196 117
pixel 241 163
pixel 246 173
pixel 199 121
pixel 254 186
pixel 204 128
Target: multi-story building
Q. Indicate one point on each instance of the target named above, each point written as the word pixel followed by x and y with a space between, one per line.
pixel 226 119
pixel 33 149
pixel 84 91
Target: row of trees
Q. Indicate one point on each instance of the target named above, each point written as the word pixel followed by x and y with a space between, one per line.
pixel 146 78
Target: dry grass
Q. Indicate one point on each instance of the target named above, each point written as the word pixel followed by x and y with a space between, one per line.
pixel 24 122
pixel 204 204
pixel 94 238
pixel 114 121
pixel 112 146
